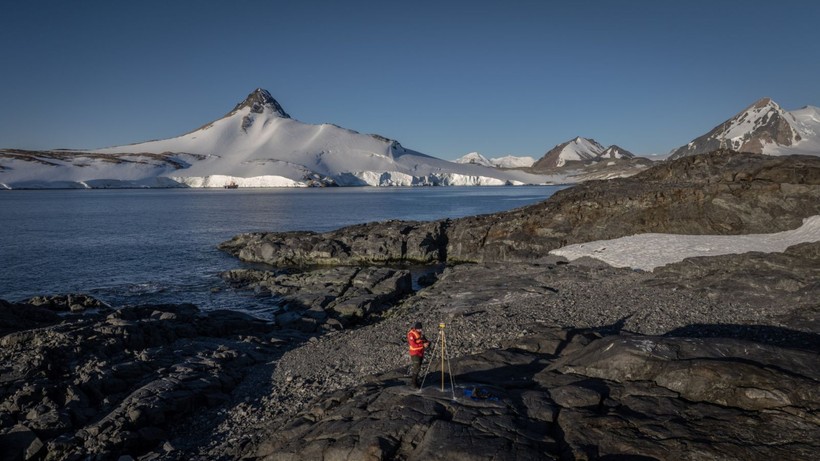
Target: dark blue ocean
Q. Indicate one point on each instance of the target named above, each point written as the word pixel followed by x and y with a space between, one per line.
pixel 159 245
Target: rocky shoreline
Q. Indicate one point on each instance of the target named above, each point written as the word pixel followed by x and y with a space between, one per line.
pixel 722 193
pixel 710 358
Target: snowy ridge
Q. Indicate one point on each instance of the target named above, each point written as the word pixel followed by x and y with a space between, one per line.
pixel 508 161
pixel 82 170
pixel 511 161
pixel 648 251
pixel 806 122
pixel 474 158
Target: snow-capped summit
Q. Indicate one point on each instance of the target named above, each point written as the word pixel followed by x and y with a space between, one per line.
pixel 764 127
pixel 577 149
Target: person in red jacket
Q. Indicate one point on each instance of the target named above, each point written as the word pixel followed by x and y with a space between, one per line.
pixel 417 343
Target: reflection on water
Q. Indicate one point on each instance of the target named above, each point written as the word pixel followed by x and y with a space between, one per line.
pixel 159 245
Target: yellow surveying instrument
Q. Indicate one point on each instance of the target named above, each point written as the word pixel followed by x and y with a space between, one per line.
pixel 441 345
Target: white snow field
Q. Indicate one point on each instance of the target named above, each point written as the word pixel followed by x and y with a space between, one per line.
pixel 648 251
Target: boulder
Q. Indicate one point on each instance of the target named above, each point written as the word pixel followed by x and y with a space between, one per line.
pixel 311 299
pixel 372 243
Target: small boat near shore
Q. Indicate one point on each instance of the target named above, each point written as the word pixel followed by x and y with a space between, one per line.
pixel 231 185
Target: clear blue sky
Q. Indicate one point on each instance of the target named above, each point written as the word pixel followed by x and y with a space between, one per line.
pixel 442 77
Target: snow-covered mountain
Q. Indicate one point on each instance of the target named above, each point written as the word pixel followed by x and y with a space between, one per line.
pixel 615 151
pixel 584 159
pixel 508 161
pixel 764 127
pixel 511 161
pixel 474 158
pixel 579 150
pixel 257 144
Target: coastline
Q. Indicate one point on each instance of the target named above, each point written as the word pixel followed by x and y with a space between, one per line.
pixel 685 355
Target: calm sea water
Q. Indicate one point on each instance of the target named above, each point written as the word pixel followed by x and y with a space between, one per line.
pixel 159 245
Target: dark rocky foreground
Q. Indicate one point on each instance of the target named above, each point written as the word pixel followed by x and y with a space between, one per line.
pixel 710 358
pixel 580 361
pixel 114 381
pixel 576 395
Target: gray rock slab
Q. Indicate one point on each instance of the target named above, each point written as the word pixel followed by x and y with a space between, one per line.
pixel 538 406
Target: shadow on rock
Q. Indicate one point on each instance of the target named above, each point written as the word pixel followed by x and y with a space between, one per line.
pixel 763 334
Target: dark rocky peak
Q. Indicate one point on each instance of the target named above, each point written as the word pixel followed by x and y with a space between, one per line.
pixel 258 100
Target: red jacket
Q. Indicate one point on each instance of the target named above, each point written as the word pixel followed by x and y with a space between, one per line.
pixel 417 342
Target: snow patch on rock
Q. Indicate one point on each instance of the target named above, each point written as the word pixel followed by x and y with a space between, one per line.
pixel 648 251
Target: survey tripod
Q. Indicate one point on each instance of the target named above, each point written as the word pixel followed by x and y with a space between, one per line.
pixel 441 345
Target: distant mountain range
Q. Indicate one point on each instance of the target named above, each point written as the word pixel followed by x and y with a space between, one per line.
pixel 508 161
pixel 762 128
pixel 258 144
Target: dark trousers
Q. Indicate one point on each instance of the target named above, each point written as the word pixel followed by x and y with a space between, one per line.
pixel 414 374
